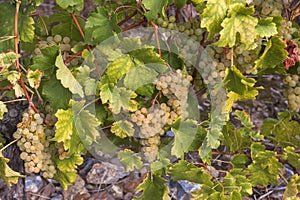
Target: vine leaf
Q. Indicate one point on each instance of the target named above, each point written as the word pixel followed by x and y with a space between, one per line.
pixel 64 23
pixel 69 164
pixel 64 127
pixel 293 188
pixel 266 27
pixel 233 97
pixel 273 55
pixel 240 21
pixel 154 8
pixel 184 135
pixel 130 160
pixel 57 96
pixel 292 157
pixel 284 131
pixel 154 187
pixel 122 128
pixel 66 77
pixel 122 98
pixel 106 89
pixel 83 77
pixel 3 109
pixel 65 178
pixel 34 78
pixel 236 182
pixel 184 170
pixel 265 167
pixel 6 173
pixel 236 81
pixel 100 26
pixel 212 16
pixel 120 66
pixel 64 4
pixel 145 75
pixel 244 118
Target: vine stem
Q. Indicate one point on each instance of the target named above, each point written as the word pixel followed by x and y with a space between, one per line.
pixel 77 25
pixel 133 25
pixel 9 144
pixel 156 38
pixel 16 45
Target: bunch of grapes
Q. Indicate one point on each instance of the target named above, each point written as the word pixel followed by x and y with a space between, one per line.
pixel 191 28
pixel 270 8
pixel 151 122
pixel 285 31
pixel 293 91
pixel 65 46
pixel 33 143
pixel 245 59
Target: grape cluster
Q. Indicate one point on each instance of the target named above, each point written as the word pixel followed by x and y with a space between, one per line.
pixel 33 143
pixel 151 122
pixel 270 8
pixel 245 59
pixel 191 29
pixel 286 30
pixel 293 91
pixel 65 46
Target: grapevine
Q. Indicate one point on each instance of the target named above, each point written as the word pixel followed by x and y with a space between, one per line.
pixel 161 88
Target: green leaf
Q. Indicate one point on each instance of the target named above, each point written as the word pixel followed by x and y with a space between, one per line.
pixel 184 170
pixel 293 188
pixel 64 4
pixel 266 27
pixel 233 97
pixel 292 157
pixel 138 77
pixel 34 78
pixel 153 188
pixel 130 160
pixel 46 61
pixel 284 131
pixel 150 58
pixel 122 128
pixel 86 123
pixel 236 182
pixel 240 22
pixel 56 94
pixel 236 81
pixel 239 160
pixel 273 55
pixel 100 26
pixel 65 178
pixel 154 8
pixel 66 77
pixel 244 118
pixel 64 127
pixel 122 98
pixel 184 136
pixel 233 139
pixel 120 66
pixel 64 23
pixel 83 77
pixel 212 16
pixel 265 168
pixel 180 3
pixel 6 173
pixel 69 164
pixel 26 28
pixel 3 109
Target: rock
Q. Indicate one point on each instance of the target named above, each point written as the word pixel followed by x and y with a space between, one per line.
pixel 57 197
pixel 117 192
pixel 105 173
pixel 33 184
pixel 102 195
pixel 189 186
pixel 76 189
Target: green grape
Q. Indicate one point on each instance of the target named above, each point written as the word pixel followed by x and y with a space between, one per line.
pixel 57 38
